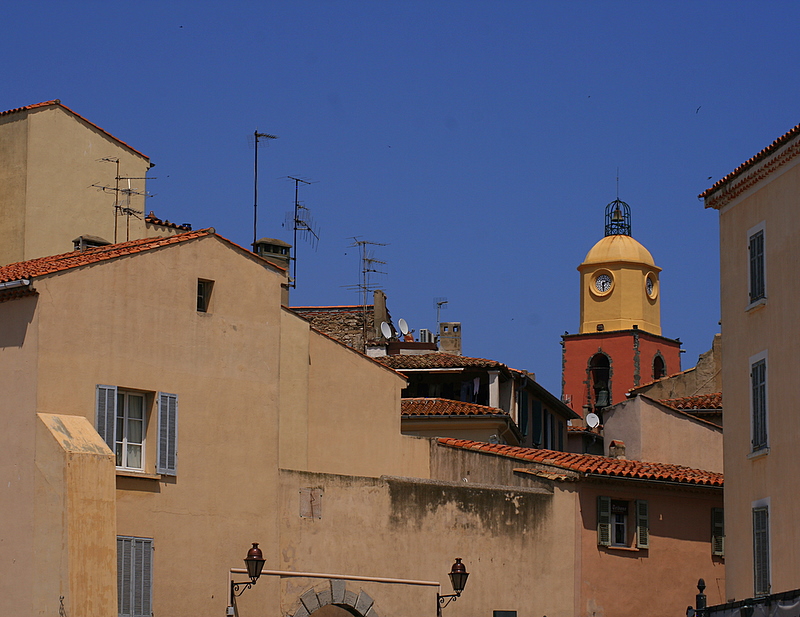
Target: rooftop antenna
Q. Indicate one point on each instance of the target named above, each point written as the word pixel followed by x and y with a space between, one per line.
pixel 369 266
pixel 119 209
pixel 257 140
pixel 301 222
pixel 441 303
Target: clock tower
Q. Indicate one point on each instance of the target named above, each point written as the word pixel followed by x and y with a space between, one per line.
pixel 619 344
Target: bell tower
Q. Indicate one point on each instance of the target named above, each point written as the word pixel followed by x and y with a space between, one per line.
pixel 619 344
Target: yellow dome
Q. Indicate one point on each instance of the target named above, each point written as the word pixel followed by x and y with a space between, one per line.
pixel 618 248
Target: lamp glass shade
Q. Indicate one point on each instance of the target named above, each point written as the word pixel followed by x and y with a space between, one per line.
pixel 254 562
pixel 458 576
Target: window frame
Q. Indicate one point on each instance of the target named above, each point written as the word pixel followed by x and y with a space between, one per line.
pixel 756 266
pixel 134 583
pixel 759 402
pixel 637 536
pixel 205 287
pixel 718 532
pixel 124 442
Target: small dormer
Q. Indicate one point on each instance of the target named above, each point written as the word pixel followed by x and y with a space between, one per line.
pixel 274 251
pixel 81 243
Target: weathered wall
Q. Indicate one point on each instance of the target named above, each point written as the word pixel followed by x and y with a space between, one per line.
pixel 630 581
pixel 13 171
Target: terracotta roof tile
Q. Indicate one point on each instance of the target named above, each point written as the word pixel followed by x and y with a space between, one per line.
pixel 75 259
pixel 699 401
pixel 594 464
pixel 60 104
pixel 154 220
pixel 446 407
pixel 438 360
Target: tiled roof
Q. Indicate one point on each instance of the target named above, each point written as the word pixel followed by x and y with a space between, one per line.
pixel 343 323
pixel 60 104
pixel 438 360
pixel 775 145
pixel 593 464
pixel 446 407
pixel 75 259
pixel 154 220
pixel 699 401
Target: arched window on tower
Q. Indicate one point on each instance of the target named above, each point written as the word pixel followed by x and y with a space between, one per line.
pixel 600 371
pixel 659 368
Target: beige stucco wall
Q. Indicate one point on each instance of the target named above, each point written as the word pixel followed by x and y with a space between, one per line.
pixel 656 433
pixel 49 160
pixel 771 328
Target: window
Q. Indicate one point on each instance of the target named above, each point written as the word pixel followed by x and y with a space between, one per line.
pixel 203 295
pixel 758 401
pixel 718 532
pixel 613 527
pixel 600 369
pixel 122 421
pixel 134 576
pixel 758 283
pixel 761 584
pixel 659 368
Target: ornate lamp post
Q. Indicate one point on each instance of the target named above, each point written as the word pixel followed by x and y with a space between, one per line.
pixel 458 578
pixel 255 563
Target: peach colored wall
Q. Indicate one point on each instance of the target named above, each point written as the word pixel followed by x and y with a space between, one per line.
pixel 773 328
pixel 13 165
pixel 644 582
pixel 653 432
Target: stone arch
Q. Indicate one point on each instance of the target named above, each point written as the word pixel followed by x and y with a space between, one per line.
pixel 334 592
pixel 599 372
pixel 659 366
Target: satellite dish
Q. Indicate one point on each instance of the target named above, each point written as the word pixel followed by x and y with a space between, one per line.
pixel 592 419
pixel 386 330
pixel 403 326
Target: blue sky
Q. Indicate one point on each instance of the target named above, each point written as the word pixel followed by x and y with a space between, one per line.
pixel 480 141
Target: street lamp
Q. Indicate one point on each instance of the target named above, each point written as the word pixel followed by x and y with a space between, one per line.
pixel 458 578
pixel 255 563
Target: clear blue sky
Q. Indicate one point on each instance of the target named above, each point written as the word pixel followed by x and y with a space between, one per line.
pixel 479 140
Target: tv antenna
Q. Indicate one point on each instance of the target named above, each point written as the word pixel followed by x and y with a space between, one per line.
pixel 369 267
pixel 119 209
pixel 257 140
pixel 441 303
pixel 301 223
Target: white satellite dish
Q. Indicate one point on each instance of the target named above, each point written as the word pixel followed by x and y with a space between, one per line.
pixel 403 326
pixel 386 330
pixel 593 420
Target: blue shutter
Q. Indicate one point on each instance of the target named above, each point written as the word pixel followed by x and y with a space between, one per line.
pixel 134 577
pixel 167 459
pixel 106 409
pixel 761 575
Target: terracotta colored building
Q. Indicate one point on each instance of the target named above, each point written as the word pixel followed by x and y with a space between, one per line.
pixel 619 345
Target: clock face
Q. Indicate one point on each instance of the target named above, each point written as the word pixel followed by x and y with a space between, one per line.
pixel 649 285
pixel 602 283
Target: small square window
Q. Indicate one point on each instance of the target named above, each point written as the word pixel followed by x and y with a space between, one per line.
pixel 204 288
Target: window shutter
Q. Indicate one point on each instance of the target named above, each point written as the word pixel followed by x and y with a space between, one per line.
pixel 107 415
pixel 757 286
pixel 167 459
pixel 537 424
pixel 642 525
pixel 761 552
pixel 718 532
pixel 134 576
pixel 604 521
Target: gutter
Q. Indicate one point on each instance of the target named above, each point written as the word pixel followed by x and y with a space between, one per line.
pixel 15 284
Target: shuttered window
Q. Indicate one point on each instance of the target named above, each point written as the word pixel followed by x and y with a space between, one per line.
pixel 134 576
pixel 167 462
pixel 604 521
pixel 758 288
pixel 761 584
pixel 718 532
pixel 642 524
pixel 758 381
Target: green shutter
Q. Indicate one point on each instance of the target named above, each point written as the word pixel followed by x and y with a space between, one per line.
pixel 604 521
pixel 718 532
pixel 642 525
pixel 167 459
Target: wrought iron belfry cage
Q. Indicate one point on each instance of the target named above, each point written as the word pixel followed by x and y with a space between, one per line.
pixel 618 218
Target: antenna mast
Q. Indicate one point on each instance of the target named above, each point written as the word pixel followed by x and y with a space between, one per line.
pixel 301 222
pixel 368 267
pixel 258 138
pixel 119 209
